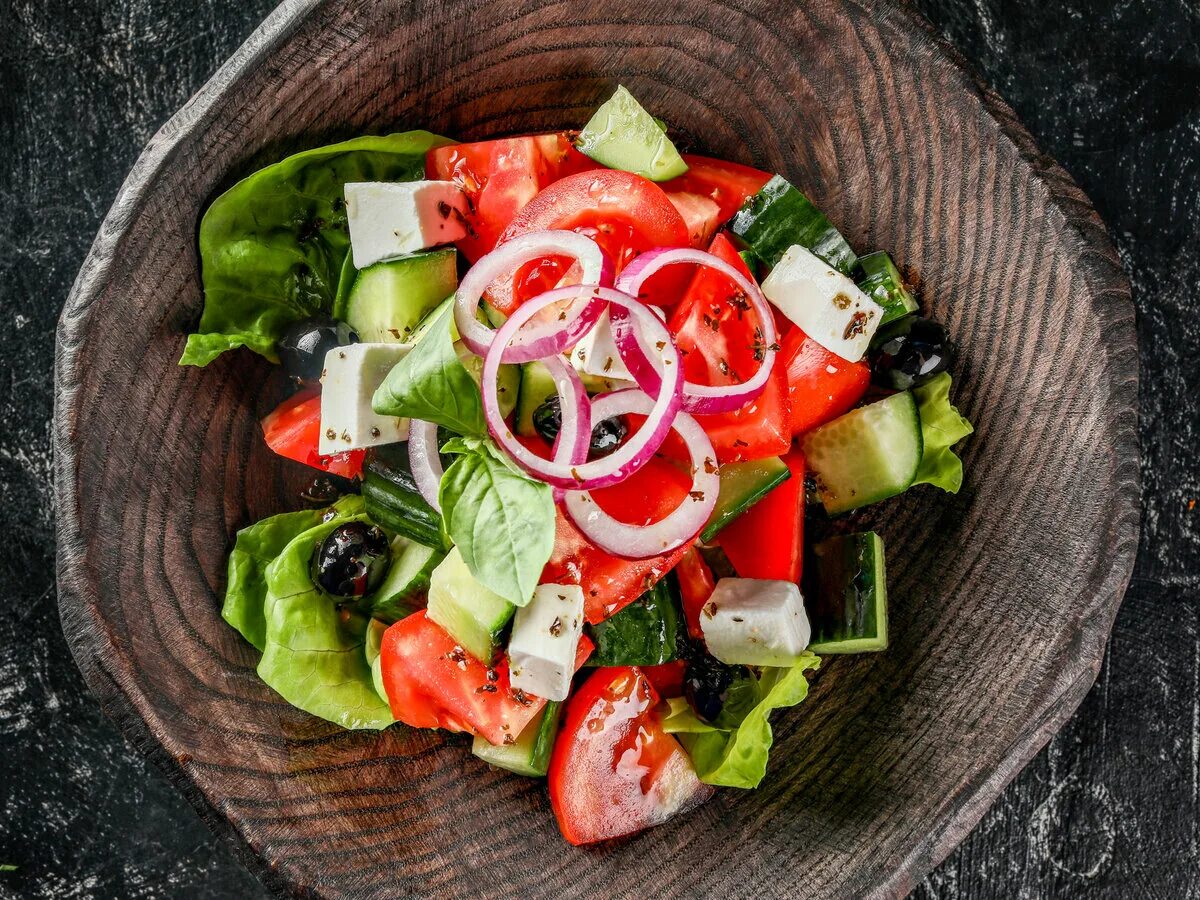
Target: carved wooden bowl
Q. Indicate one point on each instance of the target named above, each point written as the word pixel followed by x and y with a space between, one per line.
pixel 1001 598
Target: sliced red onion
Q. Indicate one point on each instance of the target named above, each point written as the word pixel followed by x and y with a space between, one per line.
pixel 424 460
pixel 681 524
pixel 503 262
pixel 636 450
pixel 697 398
pixel 574 436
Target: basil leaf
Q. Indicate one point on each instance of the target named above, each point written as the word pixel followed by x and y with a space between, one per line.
pixel 501 520
pixel 431 383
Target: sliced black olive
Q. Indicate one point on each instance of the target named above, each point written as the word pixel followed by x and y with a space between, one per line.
pixel 606 435
pixel 303 346
pixel 352 560
pixel 911 352
pixel 706 682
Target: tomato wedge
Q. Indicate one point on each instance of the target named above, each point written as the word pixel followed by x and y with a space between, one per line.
pixel 820 385
pixel 614 771
pixel 767 540
pixel 293 430
pixel 728 184
pixel 696 584
pixel 700 214
pixel 624 213
pixel 722 344
pixel 431 682
pixel 667 678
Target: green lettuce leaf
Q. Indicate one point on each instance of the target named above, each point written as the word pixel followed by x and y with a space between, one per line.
pixel 272 247
pixel 941 428
pixel 501 520
pixel 733 751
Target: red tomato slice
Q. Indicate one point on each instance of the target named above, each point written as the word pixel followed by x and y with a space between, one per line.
pixel 767 541
pixel 614 771
pixel 701 214
pixel 727 183
pixel 431 682
pixel 696 584
pixel 667 678
pixel 624 213
pixel 293 430
pixel 821 385
pixel 721 340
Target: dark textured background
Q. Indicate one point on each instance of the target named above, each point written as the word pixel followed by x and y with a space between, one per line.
pixel 1109 809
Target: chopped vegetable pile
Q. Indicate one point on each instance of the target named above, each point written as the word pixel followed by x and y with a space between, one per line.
pixel 576 401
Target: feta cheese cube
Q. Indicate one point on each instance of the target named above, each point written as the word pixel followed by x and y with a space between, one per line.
pixel 597 353
pixel 545 636
pixel 827 305
pixel 755 622
pixel 391 219
pixel 351 375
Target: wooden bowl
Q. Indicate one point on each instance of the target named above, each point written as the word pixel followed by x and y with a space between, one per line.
pixel 1001 597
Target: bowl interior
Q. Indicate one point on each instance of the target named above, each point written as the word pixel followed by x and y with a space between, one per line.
pixel 1001 597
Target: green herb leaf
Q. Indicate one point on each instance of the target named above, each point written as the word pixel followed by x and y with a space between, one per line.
pixel 272 247
pixel 501 520
pixel 941 428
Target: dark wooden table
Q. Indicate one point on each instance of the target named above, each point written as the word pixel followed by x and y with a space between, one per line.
pixel 1109 809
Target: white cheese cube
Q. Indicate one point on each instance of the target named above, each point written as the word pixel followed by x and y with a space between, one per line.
pixel 545 636
pixel 827 305
pixel 597 353
pixel 351 375
pixel 391 219
pixel 755 622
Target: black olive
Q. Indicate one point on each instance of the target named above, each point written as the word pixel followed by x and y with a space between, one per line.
pixel 910 352
pixel 606 435
pixel 706 681
pixel 352 560
pixel 303 346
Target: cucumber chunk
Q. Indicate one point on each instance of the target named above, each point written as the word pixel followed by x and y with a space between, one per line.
pixel 742 485
pixel 393 501
pixel 622 135
pixel 390 299
pixel 529 754
pixel 644 633
pixel 536 388
pixel 848 610
pixel 407 581
pixel 867 455
pixel 881 282
pixel 472 614
pixel 779 216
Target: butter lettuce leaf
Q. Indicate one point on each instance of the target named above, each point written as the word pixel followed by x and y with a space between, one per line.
pixel 942 426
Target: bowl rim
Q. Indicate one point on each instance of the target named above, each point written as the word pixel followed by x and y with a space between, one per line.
pixel 1084 232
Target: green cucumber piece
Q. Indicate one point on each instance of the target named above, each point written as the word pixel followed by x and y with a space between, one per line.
pixel 779 216
pixel 393 501
pixel 644 633
pixel 508 378
pixel 742 485
pixel 622 135
pixel 472 614
pixel 536 388
pixel 881 282
pixel 869 454
pixel 529 754
pixel 406 584
pixel 431 317
pixel 848 612
pixel 390 299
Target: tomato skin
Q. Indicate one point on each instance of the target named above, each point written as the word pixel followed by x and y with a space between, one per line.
pixel 293 430
pixel 767 541
pixel 701 214
pixel 431 682
pixel 821 385
pixel 727 183
pixel 666 678
pixel 614 771
pixel 696 584
pixel 726 355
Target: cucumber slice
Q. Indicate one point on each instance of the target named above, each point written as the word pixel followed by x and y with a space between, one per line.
pixel 622 135
pixel 431 317
pixel 848 611
pixel 508 378
pixel 390 299
pixel 779 216
pixel 867 455
pixel 529 754
pixel 536 388
pixel 644 633
pixel 407 581
pixel 881 282
pixel 392 500
pixel 472 614
pixel 742 485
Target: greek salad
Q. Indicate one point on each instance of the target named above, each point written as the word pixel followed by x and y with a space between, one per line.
pixel 583 413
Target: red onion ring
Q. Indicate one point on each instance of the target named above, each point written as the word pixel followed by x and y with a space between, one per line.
pixel 681 524
pixel 636 450
pixel 503 262
pixel 424 460
pixel 574 436
pixel 697 398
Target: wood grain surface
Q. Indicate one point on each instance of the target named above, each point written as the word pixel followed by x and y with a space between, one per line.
pixel 1002 599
